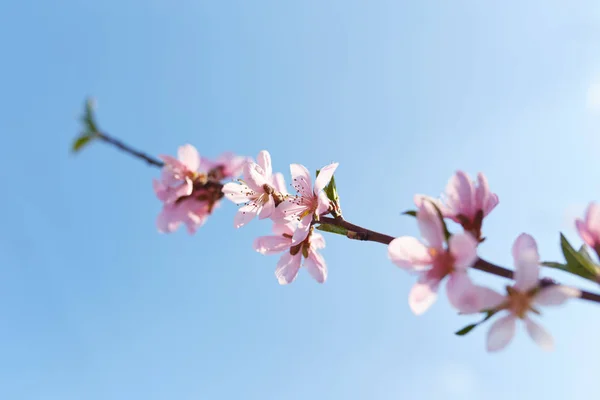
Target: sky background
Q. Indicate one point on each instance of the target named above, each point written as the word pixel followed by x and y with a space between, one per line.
pixel 96 304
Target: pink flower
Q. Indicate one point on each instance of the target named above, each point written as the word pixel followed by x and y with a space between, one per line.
pixel 227 166
pixel 178 174
pixel 309 201
pixel 432 261
pixel 523 297
pixel 290 261
pixel 589 228
pixel 255 190
pixel 466 203
pixel 192 213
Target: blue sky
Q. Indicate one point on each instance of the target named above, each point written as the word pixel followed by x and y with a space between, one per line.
pixel 95 304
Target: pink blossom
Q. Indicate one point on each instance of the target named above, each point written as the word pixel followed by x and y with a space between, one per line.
pixel 466 203
pixel 255 190
pixel 192 213
pixel 227 166
pixel 524 297
pixel 290 261
pixel 589 228
pixel 178 174
pixel 432 261
pixel 309 201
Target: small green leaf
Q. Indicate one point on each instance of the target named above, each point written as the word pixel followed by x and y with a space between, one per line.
pixel 556 265
pixel 333 229
pixel 88 119
pixel 469 328
pixel 578 262
pixel 412 213
pixel 465 330
pixel 80 142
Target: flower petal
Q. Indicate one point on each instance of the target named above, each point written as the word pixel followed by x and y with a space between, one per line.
pixel 468 298
pixel 316 267
pixel 464 249
pixel 302 230
pixel 409 253
pixel 264 160
pixel 422 295
pixel 271 244
pixel 322 204
pixel 301 180
pixel 317 241
pixel 430 225
pixel 287 268
pixel 279 183
pixel 501 333
pixel 539 335
pixel 255 178
pixel 460 194
pixel 245 214
pixel 168 220
pixel 555 295
pixel 527 262
pixel 324 177
pixel 238 193
pixel 188 155
pixel 485 200
pixel 267 208
pixel 284 228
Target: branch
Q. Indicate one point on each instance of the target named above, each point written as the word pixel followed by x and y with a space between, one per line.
pixel 360 233
pixel 129 150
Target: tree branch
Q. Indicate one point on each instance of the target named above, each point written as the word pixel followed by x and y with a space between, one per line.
pixel 360 233
pixel 129 150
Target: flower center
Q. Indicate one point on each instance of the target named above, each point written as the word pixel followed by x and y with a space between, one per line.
pixel 443 263
pixel 518 302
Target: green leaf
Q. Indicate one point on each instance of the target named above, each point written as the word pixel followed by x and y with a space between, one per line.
pixel 333 229
pixel 88 119
pixel 578 262
pixel 412 213
pixel 465 330
pixel 469 328
pixel 80 142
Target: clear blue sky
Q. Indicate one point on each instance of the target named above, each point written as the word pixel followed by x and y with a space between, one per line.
pixel 95 304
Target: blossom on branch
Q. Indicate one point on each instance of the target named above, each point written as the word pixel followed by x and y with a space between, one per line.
pixel 589 227
pixel 290 261
pixel 309 203
pixel 464 202
pixel 521 299
pixel 433 262
pixel 259 190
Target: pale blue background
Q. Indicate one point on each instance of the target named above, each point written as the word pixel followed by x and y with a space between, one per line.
pixel 95 304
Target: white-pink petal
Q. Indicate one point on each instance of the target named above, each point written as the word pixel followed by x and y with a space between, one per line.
pixel 267 208
pixel 264 160
pixel 527 262
pixel 287 268
pixel 422 295
pixel 255 178
pixel 238 193
pixel 322 204
pixel 463 248
pixel 539 335
pixel 430 225
pixel 317 241
pixel 316 267
pixel 245 214
pixel 279 183
pixel 302 230
pixel 324 177
pixel 409 253
pixel 301 180
pixel 460 194
pixel 188 155
pixel 555 295
pixel 271 244
pixel 501 333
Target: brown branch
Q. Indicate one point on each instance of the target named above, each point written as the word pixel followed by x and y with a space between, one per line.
pixel 130 150
pixel 360 233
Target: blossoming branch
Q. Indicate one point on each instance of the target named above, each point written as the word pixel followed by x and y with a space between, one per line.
pixel 192 187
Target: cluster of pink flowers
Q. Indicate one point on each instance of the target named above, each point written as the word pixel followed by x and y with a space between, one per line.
pixel 438 258
pixel 191 187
